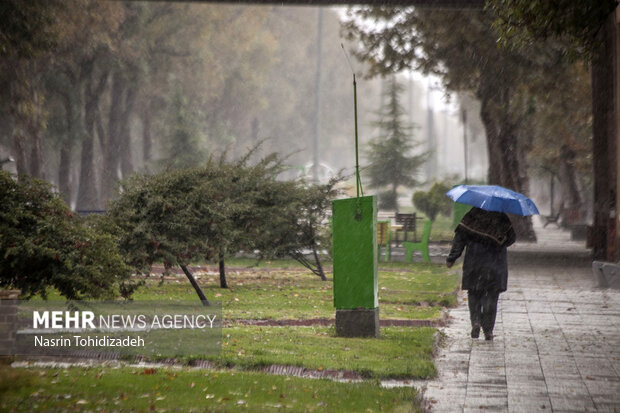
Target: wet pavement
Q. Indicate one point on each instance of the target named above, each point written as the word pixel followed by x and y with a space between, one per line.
pixel 557 340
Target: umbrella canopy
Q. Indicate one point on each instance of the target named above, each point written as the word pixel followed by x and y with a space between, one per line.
pixel 493 198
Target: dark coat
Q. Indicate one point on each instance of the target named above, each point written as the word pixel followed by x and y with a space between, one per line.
pixel 485 267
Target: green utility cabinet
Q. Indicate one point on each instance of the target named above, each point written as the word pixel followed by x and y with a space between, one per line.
pixel 354 243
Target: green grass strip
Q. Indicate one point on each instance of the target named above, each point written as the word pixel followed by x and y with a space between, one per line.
pixel 400 352
pixel 418 291
pixel 163 390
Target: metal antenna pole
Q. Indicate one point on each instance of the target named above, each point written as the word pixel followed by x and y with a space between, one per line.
pixel 317 119
pixel 357 161
pixel 358 181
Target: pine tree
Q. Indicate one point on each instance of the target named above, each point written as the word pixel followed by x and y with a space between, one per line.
pixel 390 155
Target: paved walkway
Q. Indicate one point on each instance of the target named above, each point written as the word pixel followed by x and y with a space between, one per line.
pixel 557 340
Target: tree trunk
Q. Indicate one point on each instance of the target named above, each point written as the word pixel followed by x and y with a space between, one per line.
pixel 223 283
pixel 194 283
pixel 147 138
pixel 395 197
pixel 34 130
pixel 26 110
pixel 19 152
pixel 319 267
pixel 87 188
pixel 125 132
pixel 64 172
pixel 64 169
pixel 603 143
pixel 506 159
pixel 101 133
pixel 112 153
pixel 571 196
pixel 36 158
pixel 88 197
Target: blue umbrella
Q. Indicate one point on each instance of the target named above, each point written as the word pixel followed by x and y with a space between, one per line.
pixel 493 198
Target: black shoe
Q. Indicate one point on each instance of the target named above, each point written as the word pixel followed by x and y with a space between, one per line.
pixel 488 337
pixel 475 331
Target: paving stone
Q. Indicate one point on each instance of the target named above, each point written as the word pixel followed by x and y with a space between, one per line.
pixel 531 403
pixel 527 389
pixel 561 402
pixel 602 388
pixel 595 367
pixel 489 403
pixel 525 382
pixel 573 387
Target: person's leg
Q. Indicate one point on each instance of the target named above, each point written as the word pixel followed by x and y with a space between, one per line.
pixel 488 302
pixel 475 311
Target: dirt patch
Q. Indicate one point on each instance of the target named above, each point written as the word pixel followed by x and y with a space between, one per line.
pixel 330 321
pixel 158 269
pixel 214 269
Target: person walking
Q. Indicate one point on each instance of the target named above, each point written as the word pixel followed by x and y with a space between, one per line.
pixel 484 235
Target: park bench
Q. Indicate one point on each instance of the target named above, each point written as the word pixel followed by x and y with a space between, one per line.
pixel 407 224
pixel 551 219
pixel 421 246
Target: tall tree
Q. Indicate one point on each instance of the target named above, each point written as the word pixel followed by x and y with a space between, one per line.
pixel 588 31
pixel 27 32
pixel 110 74
pixel 460 46
pixel 77 83
pixel 391 161
pixel 562 134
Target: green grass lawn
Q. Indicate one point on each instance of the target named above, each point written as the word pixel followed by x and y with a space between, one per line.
pixel 406 291
pixel 162 390
pixel 400 352
pixel 272 290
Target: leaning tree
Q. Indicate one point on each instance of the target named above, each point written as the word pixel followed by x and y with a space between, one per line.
pixel 45 245
pixel 216 211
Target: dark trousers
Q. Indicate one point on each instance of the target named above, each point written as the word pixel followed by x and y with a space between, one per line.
pixel 483 308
